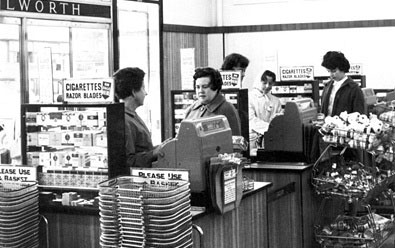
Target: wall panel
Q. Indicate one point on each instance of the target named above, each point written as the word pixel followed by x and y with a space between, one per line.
pixel 172 43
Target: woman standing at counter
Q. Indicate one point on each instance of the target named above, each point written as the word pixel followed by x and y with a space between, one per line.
pixel 208 84
pixel 130 89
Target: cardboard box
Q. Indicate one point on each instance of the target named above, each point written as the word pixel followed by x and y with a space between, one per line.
pixel 32 139
pixel 55 138
pixel 45 159
pixel 82 138
pixel 33 158
pixel 43 139
pixel 67 138
pixel 100 139
pixel 55 118
pixel 31 118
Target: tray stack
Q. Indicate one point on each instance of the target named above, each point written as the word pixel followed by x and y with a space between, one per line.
pixel 19 215
pixel 108 206
pixel 153 216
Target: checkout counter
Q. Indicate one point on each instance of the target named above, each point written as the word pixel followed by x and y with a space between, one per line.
pixel 286 161
pixel 240 219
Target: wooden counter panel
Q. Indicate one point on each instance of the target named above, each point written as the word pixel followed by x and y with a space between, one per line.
pixel 69 230
pixel 244 227
pixel 291 206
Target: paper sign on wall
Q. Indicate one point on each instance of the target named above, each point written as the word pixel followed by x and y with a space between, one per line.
pixel 231 79
pixel 187 67
pixel 88 90
pixel 17 173
pixel 303 73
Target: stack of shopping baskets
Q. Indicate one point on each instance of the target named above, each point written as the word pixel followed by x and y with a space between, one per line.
pixel 136 214
pixel 19 215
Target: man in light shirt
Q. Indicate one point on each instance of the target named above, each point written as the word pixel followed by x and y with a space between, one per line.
pixel 341 93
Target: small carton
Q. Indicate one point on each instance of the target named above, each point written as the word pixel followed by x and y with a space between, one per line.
pixel 32 139
pixel 43 139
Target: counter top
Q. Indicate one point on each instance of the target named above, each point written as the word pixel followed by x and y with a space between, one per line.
pixel 258 186
pixel 278 166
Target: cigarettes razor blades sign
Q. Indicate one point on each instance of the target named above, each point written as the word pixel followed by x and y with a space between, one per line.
pixel 302 73
pixel 88 90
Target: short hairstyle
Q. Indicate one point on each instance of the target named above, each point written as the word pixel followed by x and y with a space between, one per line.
pixel 266 74
pixel 234 60
pixel 333 60
pixel 127 81
pixel 213 74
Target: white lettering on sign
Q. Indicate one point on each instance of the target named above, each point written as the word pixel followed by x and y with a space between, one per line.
pixel 18 174
pixel 297 73
pixel 39 6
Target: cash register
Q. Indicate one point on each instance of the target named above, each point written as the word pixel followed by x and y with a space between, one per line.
pixel 197 141
pixel 287 139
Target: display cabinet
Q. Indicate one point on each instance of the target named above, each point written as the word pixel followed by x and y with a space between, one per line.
pixel 182 99
pixel 75 146
pixel 290 90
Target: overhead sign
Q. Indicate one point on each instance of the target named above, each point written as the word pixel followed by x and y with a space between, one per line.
pixel 161 177
pixel 57 8
pixel 88 90
pixel 355 69
pixel 302 73
pixel 17 173
pixel 231 79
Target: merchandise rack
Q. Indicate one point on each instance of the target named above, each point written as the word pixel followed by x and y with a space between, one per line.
pixel 357 187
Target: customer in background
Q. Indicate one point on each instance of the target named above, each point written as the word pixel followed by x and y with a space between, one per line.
pixel 263 107
pixel 341 93
pixel 130 89
pixel 211 102
pixel 235 61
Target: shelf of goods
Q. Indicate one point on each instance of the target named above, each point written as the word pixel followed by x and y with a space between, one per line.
pixel 75 146
pixel 365 191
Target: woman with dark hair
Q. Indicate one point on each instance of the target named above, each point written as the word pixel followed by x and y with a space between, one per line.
pixel 208 84
pixel 341 93
pixel 130 89
pixel 235 61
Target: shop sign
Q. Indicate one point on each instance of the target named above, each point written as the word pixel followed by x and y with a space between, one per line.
pixel 231 79
pixel 301 73
pixel 160 177
pixel 17 173
pixel 57 8
pixel 88 90
pixel 355 69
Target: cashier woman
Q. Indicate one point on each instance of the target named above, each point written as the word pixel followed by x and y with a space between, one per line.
pixel 130 89
pixel 211 102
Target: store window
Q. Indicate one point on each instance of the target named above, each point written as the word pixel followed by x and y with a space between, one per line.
pixel 10 93
pixel 139 46
pixel 59 50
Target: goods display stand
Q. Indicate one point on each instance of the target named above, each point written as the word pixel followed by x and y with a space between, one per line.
pixel 363 191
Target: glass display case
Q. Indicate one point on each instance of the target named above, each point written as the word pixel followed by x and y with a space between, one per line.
pixel 74 146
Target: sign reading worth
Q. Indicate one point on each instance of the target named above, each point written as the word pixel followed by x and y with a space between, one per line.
pixel 17 173
pixel 88 90
pixel 161 177
pixel 231 79
pixel 303 73
pixel 355 69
